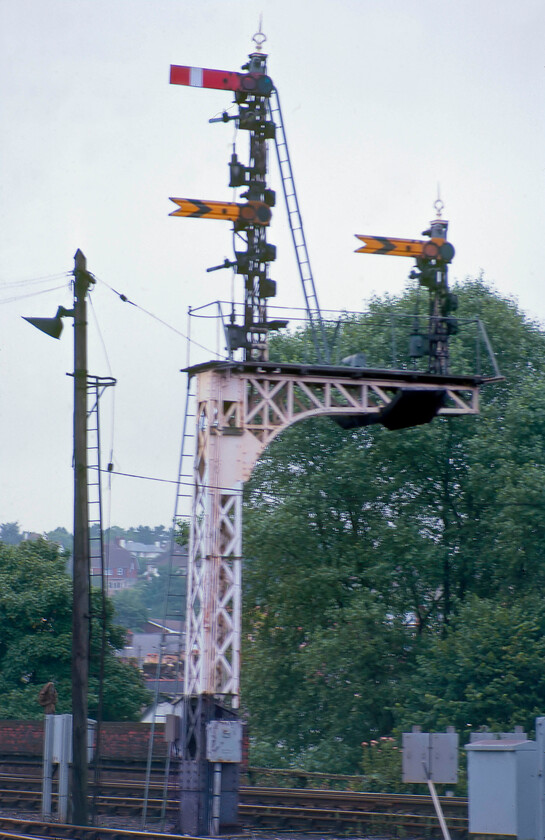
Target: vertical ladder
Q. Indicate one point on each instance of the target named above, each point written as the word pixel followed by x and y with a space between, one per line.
pixel 295 220
pixel 96 385
pixel 175 598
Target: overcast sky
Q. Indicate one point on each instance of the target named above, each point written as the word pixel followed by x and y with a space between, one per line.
pixel 382 101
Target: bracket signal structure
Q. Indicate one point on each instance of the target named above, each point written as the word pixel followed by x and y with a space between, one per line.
pixel 242 404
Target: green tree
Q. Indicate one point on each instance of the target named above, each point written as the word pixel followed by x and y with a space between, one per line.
pixel 154 593
pixel 129 607
pixel 110 534
pixel 125 694
pixel 410 523
pixel 10 533
pixel 62 537
pixel 486 671
pixel 142 533
pixel 147 535
pixel 36 637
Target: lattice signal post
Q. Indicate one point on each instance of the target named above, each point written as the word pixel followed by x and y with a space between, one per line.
pixel 252 91
pixel 241 406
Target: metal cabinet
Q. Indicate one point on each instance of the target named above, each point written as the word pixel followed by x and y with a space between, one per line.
pixel 503 787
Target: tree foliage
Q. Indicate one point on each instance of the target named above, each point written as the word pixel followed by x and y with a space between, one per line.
pixel 364 545
pixel 62 537
pixel 36 639
pixel 10 533
pixel 129 607
pixel 487 670
pixel 142 534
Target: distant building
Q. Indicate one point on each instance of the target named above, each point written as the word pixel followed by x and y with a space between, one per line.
pixel 31 536
pixel 162 561
pixel 142 551
pixel 158 713
pixel 144 647
pixel 159 654
pixel 121 568
pixel 171 627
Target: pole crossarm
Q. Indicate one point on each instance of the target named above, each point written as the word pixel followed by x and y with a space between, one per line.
pixel 241 407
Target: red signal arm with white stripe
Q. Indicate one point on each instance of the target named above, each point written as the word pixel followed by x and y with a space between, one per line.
pixel 200 77
pixel 220 79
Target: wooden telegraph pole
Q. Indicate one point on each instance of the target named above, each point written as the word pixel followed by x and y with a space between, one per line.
pixel 80 603
pixel 83 280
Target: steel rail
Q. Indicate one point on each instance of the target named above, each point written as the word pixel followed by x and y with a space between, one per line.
pixel 10 827
pixel 278 808
pixel 257 817
pixel 129 793
pixel 270 815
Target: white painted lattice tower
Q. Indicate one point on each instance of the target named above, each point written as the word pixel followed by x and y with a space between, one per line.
pixel 241 408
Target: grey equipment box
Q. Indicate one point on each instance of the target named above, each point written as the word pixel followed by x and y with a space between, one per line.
pixel 503 787
pixel 430 755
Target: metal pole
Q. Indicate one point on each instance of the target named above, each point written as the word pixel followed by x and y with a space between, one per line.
pixel 216 801
pixel 64 760
pixel 47 775
pixel 540 748
pixel 438 809
pixel 80 603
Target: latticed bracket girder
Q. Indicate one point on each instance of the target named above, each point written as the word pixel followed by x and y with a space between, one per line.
pixel 241 407
pixel 245 405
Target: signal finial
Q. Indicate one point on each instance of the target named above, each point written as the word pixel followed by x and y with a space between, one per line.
pixel 438 204
pixel 259 38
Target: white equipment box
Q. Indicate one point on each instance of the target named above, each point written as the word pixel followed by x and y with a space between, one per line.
pixel 224 741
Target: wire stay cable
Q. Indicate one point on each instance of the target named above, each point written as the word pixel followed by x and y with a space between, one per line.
pixel 125 299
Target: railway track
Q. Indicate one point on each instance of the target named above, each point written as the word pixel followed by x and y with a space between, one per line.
pixel 16 829
pixel 267 808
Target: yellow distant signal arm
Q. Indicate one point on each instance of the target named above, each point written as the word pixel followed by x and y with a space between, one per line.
pixel 251 213
pixel 427 249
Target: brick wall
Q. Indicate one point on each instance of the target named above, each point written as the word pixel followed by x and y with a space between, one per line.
pixel 130 740
pixel 21 737
pixel 118 740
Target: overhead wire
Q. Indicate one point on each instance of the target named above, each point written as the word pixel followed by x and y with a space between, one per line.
pixel 100 335
pixel 143 477
pixel 164 480
pixel 111 472
pixel 46 278
pixel 125 299
pixel 104 564
pixel 13 285
pixel 112 413
pixel 15 298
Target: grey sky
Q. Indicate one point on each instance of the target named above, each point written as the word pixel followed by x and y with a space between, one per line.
pixel 382 100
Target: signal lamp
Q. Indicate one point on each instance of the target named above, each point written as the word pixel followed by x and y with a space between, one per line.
pixel 237 172
pixel 267 288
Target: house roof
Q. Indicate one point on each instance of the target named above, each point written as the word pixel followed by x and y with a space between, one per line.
pixel 179 556
pixel 116 556
pixel 171 625
pixel 143 548
pixel 143 645
pixel 165 687
pixel 160 712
